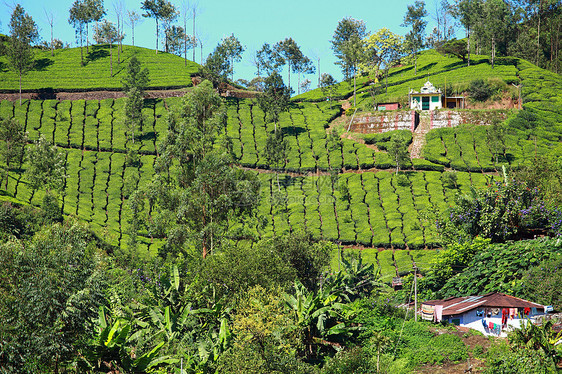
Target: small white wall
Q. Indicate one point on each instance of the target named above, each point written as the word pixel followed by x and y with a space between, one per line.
pixel 470 320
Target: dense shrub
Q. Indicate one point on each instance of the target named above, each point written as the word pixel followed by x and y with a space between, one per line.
pixel 480 90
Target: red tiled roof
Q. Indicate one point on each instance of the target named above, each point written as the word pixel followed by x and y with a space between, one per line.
pixel 460 305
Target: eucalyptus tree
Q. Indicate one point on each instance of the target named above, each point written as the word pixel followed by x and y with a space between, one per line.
pixel 304 66
pixel 197 191
pixel 106 32
pixel 46 166
pixel 345 44
pixel 465 11
pixel 94 13
pixel 77 18
pixel 159 10
pixel 23 32
pixel 497 17
pixel 276 97
pixel 233 50
pixel 414 18
pixel 134 84
pixel 12 143
pixel 287 52
pixel 175 40
pixel 134 19
pixel 265 60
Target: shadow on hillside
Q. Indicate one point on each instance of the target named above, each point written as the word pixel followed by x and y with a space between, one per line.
pixel 400 71
pixel 3 67
pixel 151 103
pixel 427 67
pixel 42 64
pixel 292 130
pixel 149 135
pixel 453 65
pixel 97 52
pixel 46 93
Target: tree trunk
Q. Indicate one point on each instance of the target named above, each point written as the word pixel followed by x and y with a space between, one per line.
pixel 119 43
pixel 156 35
pixel 194 39
pixel 133 34
pixel 538 33
pixel 81 51
pixel 493 50
pixel 354 88
pixel 87 41
pixel 289 75
pixel 20 86
pixel 7 169
pixel 468 45
pixel 52 45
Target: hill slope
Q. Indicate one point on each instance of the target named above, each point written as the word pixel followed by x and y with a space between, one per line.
pixel 64 71
pixel 381 210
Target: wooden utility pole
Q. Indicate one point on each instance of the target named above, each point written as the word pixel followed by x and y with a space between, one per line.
pixel 415 293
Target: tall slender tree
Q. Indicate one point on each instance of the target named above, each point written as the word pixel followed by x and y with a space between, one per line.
pixel 159 10
pixel 106 32
pixel 77 18
pixel 414 18
pixel 12 143
pixel 275 98
pixel 288 52
pixel 465 12
pixel 134 19
pixel 23 32
pixel 346 36
pixel 134 84
pixel 233 49
pixel 50 16
pixel 94 12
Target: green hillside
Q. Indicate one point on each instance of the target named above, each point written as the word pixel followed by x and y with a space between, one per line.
pixel 381 210
pixel 64 71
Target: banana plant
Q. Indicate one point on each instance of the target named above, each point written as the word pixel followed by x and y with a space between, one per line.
pixel 320 315
pixel 113 348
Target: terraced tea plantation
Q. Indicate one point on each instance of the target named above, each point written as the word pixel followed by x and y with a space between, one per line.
pixel 380 210
pixel 379 213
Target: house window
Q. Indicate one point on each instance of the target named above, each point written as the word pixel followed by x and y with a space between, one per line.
pixel 435 99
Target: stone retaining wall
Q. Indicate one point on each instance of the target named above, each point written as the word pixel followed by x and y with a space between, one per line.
pixel 385 121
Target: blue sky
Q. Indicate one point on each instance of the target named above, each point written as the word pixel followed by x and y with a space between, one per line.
pixel 310 23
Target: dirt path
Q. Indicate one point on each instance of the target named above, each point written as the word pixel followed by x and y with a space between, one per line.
pixel 418 136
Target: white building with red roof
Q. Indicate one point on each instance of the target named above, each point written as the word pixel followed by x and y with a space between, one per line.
pixel 492 314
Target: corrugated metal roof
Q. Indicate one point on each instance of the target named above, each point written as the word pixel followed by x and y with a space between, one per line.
pixel 459 305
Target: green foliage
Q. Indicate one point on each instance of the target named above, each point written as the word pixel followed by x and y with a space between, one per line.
pixel 135 76
pixel 398 150
pixel 355 360
pixel 503 359
pixel 499 212
pixel 543 282
pixel 23 32
pixel 266 340
pixel 275 97
pixel 13 139
pixel 500 268
pixel 454 47
pixel 46 166
pixel 52 287
pixel 451 261
pixel 480 90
